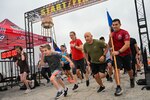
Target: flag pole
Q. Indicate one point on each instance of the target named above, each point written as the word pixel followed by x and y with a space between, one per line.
pixel 115 63
pixel 112 44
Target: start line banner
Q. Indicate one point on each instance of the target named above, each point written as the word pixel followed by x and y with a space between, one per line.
pixel 58 8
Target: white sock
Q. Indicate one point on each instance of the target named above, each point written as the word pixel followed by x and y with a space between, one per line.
pixel 59 90
pixel 65 88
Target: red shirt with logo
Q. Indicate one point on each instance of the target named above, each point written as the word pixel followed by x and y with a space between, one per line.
pixel 119 39
pixel 76 54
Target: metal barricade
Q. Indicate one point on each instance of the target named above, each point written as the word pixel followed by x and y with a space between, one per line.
pixel 9 73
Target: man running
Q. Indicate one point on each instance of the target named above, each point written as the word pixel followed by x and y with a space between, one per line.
pixel 135 51
pixel 109 63
pixel 76 46
pixel 95 50
pixel 121 42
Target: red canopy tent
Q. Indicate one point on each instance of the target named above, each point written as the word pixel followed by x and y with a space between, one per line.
pixel 12 35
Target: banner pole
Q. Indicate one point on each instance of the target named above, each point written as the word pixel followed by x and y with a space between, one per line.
pixel 115 63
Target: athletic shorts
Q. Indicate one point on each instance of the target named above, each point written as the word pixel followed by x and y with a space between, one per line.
pixel 124 62
pixel 133 57
pixel 57 74
pixel 66 67
pixel 24 69
pixel 96 68
pixel 79 64
pixel 109 61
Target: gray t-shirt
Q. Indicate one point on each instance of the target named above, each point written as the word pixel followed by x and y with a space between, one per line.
pixel 53 61
pixel 41 56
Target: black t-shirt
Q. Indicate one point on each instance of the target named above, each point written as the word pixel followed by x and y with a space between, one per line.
pixel 53 61
pixel 132 46
pixel 22 63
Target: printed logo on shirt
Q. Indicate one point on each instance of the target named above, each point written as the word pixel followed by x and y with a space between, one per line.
pixel 126 36
pixel 119 37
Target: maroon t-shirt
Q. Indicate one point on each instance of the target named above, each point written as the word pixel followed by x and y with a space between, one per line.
pixel 119 39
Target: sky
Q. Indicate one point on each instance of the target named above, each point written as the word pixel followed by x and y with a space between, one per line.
pixel 91 19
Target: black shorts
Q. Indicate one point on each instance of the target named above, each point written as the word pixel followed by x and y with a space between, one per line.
pixel 124 62
pixel 24 69
pixel 66 67
pixel 96 68
pixel 79 64
pixel 134 59
pixel 109 61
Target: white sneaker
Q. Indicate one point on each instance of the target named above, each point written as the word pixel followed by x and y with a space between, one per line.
pixel 27 91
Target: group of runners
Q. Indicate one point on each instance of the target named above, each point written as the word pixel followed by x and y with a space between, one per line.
pixel 94 57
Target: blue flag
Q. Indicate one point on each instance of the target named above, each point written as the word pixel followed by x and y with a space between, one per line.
pixel 109 19
pixel 56 48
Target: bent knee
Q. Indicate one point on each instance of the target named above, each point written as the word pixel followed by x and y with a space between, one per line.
pixel 52 78
pixel 96 75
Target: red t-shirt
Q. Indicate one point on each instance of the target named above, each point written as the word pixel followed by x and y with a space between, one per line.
pixel 76 54
pixel 119 39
